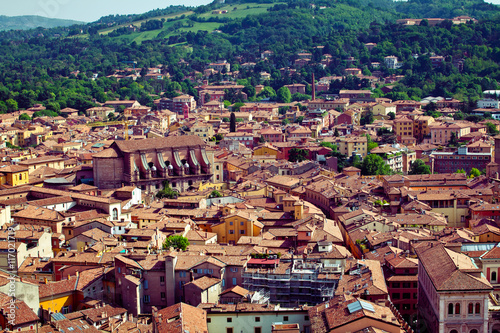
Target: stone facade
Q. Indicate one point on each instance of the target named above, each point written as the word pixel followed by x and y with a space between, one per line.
pixel 148 163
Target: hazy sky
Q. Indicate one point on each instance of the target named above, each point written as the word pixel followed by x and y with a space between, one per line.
pixel 87 10
pixel 91 10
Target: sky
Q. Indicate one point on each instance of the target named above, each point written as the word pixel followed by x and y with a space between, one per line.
pixel 92 10
pixel 88 10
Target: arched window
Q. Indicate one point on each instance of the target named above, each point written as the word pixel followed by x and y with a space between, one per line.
pixel 478 308
pixel 493 276
pixel 450 308
pixel 453 331
pixel 115 214
pixel 473 331
pixel 471 308
pixel 457 308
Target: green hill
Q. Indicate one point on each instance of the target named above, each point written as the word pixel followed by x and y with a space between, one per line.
pixel 27 22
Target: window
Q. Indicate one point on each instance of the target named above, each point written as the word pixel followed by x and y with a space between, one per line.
pixel 65 309
pixel 473 331
pixel 478 308
pixel 471 308
pixel 395 296
pixel 119 269
pixel 450 308
pixel 181 274
pixel 457 308
pixel 146 284
pixel 406 296
pixel 493 275
pixel 242 223
pixel 229 330
pixel 162 279
pixel 242 232
pixel 115 214
pixel 199 271
pixel 258 330
pixel 285 318
pixel 234 281
pixel 234 269
pixel 229 320
pixel 230 223
pixel 147 299
pixel 257 319
pixel 231 232
pixel 395 284
pixel 162 295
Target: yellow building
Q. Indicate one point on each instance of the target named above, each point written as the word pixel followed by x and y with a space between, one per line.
pixel 58 296
pixel 421 127
pixel 403 126
pixel 235 225
pixel 203 130
pixel 67 146
pixel 266 149
pixel 24 136
pixel 383 109
pixel 14 175
pixel 48 161
pixel 356 144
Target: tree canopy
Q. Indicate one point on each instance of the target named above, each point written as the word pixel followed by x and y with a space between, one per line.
pixel 178 242
pixel 418 167
pixel 374 165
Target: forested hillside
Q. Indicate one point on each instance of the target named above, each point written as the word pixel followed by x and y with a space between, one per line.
pixel 56 66
pixel 32 21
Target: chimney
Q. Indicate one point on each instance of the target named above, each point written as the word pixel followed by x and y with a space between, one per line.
pixel 313 96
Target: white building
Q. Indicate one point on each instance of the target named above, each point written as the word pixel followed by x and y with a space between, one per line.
pixel 488 103
pixel 246 317
pixel 391 62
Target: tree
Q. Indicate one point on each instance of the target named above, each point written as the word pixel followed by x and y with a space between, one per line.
pixel 285 122
pixel 24 116
pixel 418 167
pixel 297 155
pixel 460 171
pixel 374 165
pixel 232 123
pixel 474 173
pixel 11 105
pixel 453 139
pixel 492 129
pixel 367 118
pixel 336 133
pixel 369 143
pixel 215 194
pixel 167 191
pixel 178 242
pixel 391 115
pixel 284 95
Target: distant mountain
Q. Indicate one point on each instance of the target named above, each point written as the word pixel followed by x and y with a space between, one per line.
pixel 32 21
